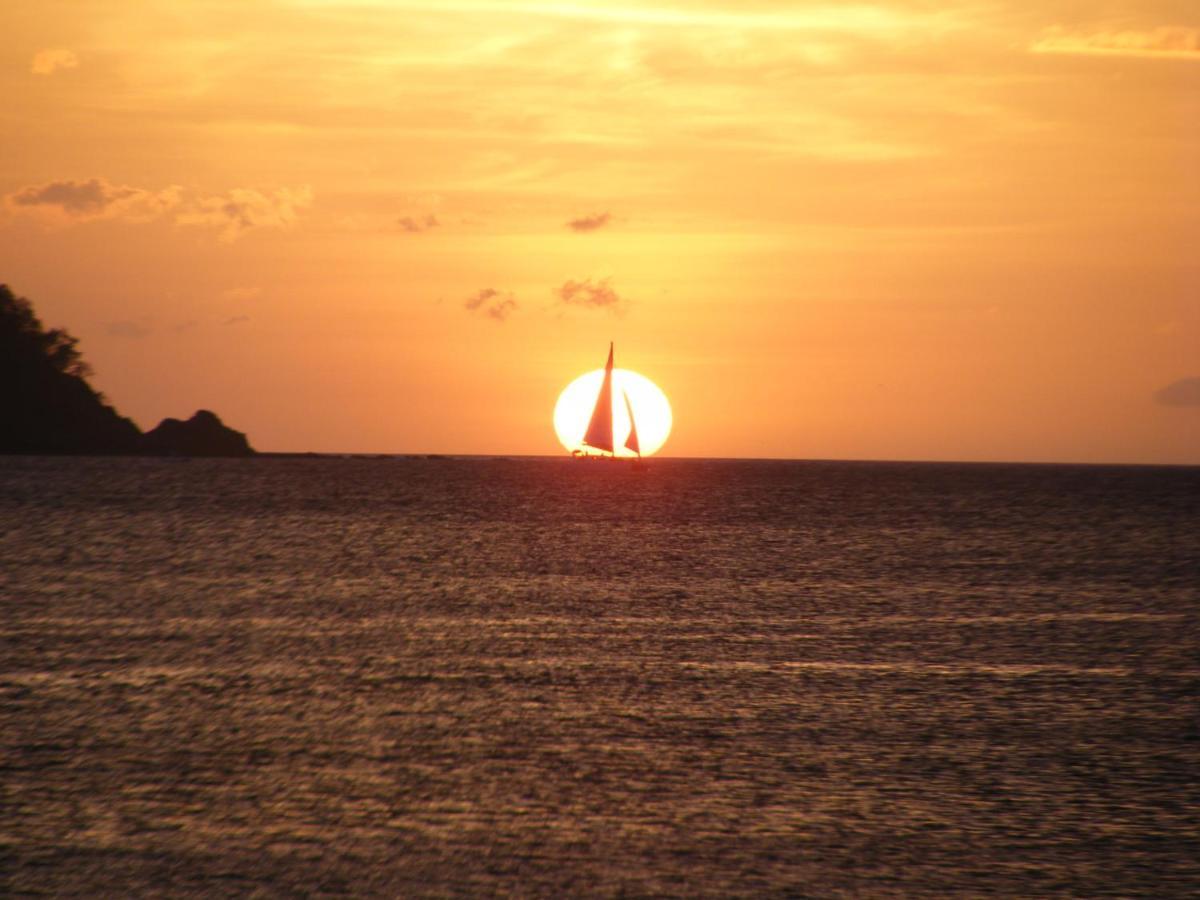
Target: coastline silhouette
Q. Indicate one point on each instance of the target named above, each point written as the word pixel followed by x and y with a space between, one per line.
pixel 48 407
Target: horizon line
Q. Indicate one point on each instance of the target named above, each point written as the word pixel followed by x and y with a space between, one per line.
pixel 800 459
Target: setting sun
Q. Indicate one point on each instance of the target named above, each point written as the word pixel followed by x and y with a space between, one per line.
pixel 651 411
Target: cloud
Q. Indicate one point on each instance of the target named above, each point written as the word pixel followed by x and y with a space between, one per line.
pixel 236 320
pixel 82 199
pixel 491 302
pixel 50 60
pixel 241 209
pixel 128 329
pixel 241 293
pixel 858 18
pixel 1184 392
pixel 1173 42
pixel 417 224
pixel 590 223
pixel 232 213
pixel 589 294
pixel 477 300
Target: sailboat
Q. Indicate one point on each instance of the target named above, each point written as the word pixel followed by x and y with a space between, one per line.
pixel 599 432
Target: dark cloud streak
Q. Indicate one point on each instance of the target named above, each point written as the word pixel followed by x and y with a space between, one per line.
pixel 128 329
pixel 75 198
pixel 1184 392
pixel 590 223
pixel 490 302
pixel 417 224
pixel 589 294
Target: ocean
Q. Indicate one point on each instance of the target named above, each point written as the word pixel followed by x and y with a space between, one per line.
pixel 543 677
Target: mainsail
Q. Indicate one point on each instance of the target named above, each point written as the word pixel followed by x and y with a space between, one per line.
pixel 632 441
pixel 599 431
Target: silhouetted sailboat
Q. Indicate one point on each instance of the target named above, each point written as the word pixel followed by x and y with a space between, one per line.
pixel 599 432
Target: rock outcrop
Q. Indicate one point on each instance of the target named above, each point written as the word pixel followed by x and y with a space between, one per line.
pixel 204 434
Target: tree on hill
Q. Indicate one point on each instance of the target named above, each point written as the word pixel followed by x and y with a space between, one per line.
pixel 46 403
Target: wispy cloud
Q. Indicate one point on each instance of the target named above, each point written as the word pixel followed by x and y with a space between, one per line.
pixel 241 209
pixel 128 329
pixel 232 213
pixel 832 16
pixel 76 198
pixel 589 294
pixel 1184 392
pixel 590 223
pixel 93 198
pixel 241 293
pixel 50 60
pixel 1172 42
pixel 417 224
pixel 236 320
pixel 498 305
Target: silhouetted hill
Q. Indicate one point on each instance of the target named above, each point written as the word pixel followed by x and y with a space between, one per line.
pixel 47 405
pixel 202 435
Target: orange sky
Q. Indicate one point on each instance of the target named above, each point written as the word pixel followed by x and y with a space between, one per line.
pixel 884 230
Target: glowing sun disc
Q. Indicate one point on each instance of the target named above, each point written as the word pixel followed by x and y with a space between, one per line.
pixel 650 409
